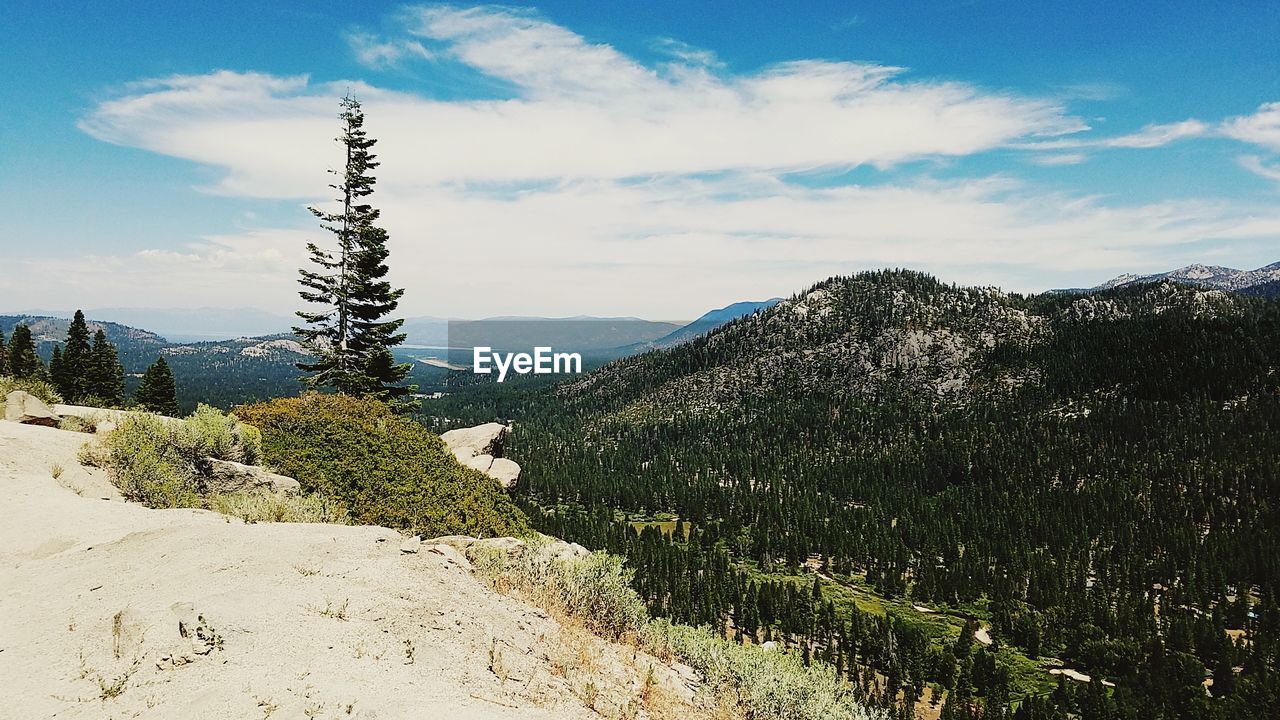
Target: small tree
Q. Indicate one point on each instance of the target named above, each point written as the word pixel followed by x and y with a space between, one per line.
pixel 157 392
pixel 23 360
pixel 4 356
pixel 352 335
pixel 58 372
pixel 105 375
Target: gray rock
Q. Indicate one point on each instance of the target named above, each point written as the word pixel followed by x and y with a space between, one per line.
pixel 23 407
pixel 410 545
pixel 504 471
pixel 469 442
pixel 480 448
pixel 225 476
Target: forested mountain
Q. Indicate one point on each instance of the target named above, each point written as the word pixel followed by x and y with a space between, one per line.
pixel 135 346
pixel 880 468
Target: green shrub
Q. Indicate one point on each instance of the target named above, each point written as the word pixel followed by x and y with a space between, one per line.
pixel 595 589
pixel 147 465
pixel 208 432
pixel 37 387
pixel 269 506
pixel 385 469
pixel 768 684
pixel 155 460
pixel 75 423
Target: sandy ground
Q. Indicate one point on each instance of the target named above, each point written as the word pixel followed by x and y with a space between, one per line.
pixel 112 610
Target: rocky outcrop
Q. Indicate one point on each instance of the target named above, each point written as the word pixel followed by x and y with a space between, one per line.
pixel 470 442
pixel 22 407
pixel 223 476
pixel 471 548
pixel 480 448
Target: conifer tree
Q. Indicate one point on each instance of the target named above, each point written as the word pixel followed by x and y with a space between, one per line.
pixel 71 378
pixel 104 375
pixel 351 335
pixel 4 356
pixel 157 392
pixel 58 372
pixel 23 360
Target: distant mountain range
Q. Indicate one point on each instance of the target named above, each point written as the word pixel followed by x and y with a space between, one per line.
pixel 703 325
pixel 189 324
pixel 226 367
pixel 1262 282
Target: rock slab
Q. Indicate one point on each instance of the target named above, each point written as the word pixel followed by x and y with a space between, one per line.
pixel 22 407
pixel 225 476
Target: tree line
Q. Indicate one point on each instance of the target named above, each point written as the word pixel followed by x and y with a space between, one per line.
pixel 86 370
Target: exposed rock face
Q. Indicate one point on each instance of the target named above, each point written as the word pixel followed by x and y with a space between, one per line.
pixel 480 448
pixel 23 407
pixel 469 442
pixel 226 476
pixel 470 547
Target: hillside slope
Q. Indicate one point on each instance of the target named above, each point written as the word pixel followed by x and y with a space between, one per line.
pixel 114 610
pixel 1095 475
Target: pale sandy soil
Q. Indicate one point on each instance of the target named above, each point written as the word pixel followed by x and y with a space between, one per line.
pixel 299 621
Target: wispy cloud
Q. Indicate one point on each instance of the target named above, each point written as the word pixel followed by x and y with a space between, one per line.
pixel 374 52
pixel 1257 166
pixel 1059 159
pixel 1151 136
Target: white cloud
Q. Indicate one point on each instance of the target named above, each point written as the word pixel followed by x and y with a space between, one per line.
pixel 1261 128
pixel 373 52
pixel 1059 159
pixel 1151 136
pixel 1257 166
pixel 672 248
pixel 577 110
pixel 599 184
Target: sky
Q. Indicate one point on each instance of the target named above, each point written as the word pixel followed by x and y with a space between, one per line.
pixel 648 159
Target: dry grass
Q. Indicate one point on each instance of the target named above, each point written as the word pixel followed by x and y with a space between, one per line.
pixel 268 506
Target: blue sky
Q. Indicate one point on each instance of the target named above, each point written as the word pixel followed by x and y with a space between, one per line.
pixel 649 159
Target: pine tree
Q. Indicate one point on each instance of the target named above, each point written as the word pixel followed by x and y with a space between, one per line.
pixel 71 380
pixel 23 360
pixel 4 356
pixel 352 336
pixel 104 375
pixel 58 372
pixel 157 392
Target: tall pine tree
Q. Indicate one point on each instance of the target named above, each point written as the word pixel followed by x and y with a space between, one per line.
pixel 104 375
pixel 157 392
pixel 352 336
pixel 71 377
pixel 23 360
pixel 4 356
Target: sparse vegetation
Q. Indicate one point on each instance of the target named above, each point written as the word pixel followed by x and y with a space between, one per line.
pixel 331 609
pixel 747 680
pixel 267 506
pixel 594 589
pixel 37 387
pixel 87 424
